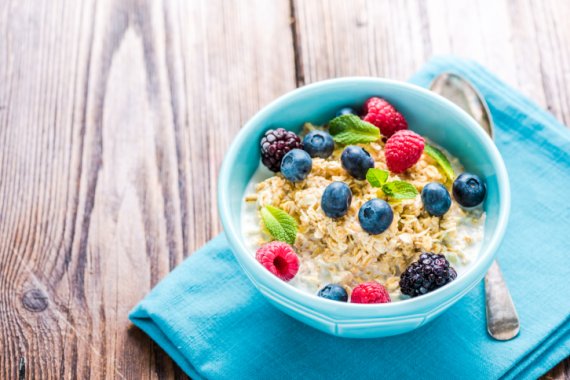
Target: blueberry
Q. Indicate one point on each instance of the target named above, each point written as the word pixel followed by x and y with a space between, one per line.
pixel 333 292
pixel 375 216
pixel 318 144
pixel 469 190
pixel 346 111
pixel 336 199
pixel 356 161
pixel 296 165
pixel 436 199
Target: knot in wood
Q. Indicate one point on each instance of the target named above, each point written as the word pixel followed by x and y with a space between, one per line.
pixel 35 300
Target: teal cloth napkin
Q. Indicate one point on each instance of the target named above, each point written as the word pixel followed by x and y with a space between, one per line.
pixel 209 318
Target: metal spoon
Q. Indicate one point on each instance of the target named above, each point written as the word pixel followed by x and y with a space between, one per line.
pixel 502 317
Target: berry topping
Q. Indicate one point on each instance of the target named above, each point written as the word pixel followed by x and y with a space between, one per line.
pixel 436 199
pixel 384 116
pixel 333 292
pixel 370 292
pixel 375 216
pixel 356 161
pixel 403 150
pixel 430 272
pixel 278 258
pixel 318 144
pixel 346 111
pixel 296 165
pixel 336 199
pixel 469 190
pixel 274 144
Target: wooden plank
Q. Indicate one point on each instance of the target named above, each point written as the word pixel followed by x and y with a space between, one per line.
pixel 339 38
pixel 524 42
pixel 114 118
pixel 544 52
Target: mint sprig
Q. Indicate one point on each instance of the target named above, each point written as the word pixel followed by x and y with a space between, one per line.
pixel 350 129
pixel 279 224
pixel 393 189
pixel 400 190
pixel 376 177
pixel 441 160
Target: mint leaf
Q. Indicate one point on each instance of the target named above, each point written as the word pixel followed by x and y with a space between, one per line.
pixel 281 226
pixel 350 129
pixel 376 177
pixel 400 190
pixel 441 160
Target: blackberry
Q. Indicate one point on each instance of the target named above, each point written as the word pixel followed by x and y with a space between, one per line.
pixel 275 144
pixel 430 272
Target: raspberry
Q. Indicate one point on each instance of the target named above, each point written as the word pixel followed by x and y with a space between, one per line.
pixel 403 150
pixel 279 258
pixel 430 272
pixel 384 116
pixel 275 144
pixel 370 292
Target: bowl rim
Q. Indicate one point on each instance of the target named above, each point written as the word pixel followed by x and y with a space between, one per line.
pixel 408 306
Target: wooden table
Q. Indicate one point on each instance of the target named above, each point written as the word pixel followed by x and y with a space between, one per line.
pixel 115 116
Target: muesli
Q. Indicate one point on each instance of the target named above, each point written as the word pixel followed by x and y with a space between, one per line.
pixel 359 210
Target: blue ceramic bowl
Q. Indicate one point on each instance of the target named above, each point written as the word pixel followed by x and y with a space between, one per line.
pixel 429 115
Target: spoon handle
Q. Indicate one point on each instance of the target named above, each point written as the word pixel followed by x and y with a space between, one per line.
pixel 502 318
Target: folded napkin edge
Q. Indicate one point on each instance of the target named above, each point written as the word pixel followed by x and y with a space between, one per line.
pixel 142 320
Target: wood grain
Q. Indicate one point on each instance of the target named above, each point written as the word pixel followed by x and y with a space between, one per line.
pixel 115 116
pixel 524 42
